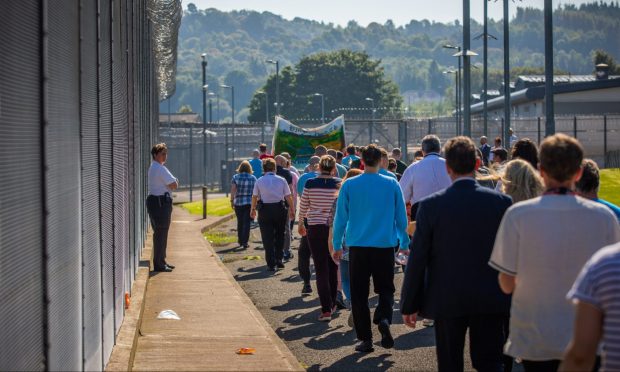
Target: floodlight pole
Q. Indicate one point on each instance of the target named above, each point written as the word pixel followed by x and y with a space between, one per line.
pixel 507 108
pixel 549 105
pixel 466 68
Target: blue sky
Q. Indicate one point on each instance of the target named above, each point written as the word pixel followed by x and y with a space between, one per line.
pixel 366 11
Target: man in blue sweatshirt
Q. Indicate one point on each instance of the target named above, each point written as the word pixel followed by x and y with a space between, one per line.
pixel 371 213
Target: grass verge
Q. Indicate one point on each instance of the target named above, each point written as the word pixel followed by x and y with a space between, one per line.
pixel 610 185
pixel 219 238
pixel 215 207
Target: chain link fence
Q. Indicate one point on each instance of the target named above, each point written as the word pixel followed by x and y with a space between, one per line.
pixel 217 153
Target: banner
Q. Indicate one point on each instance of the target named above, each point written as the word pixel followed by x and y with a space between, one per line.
pixel 300 142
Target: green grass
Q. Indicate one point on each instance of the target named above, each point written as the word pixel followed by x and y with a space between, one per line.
pixel 610 185
pixel 215 207
pixel 219 238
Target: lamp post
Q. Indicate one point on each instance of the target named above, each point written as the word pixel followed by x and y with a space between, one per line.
pixel 456 98
pixel 232 91
pixel 262 134
pixel 549 109
pixel 322 106
pixel 506 74
pixel 211 95
pixel 458 86
pixel 372 123
pixel 205 89
pixel 277 63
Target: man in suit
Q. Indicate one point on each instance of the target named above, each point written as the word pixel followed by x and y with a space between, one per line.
pixel 485 148
pixel 448 278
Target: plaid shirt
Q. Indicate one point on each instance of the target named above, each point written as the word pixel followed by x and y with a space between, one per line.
pixel 245 184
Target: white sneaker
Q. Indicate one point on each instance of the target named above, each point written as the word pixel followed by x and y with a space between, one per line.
pixel 428 322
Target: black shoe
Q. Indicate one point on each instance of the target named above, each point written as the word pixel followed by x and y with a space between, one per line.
pixel 365 347
pixel 170 266
pixel 340 301
pixel 165 269
pixel 246 246
pixel 280 265
pixel 271 268
pixel 387 341
pixel 307 289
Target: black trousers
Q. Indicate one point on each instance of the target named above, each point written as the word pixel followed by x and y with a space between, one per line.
pixel 159 209
pixel 303 259
pixel 272 219
pixel 551 365
pixel 326 268
pixel 364 263
pixel 243 223
pixel 486 342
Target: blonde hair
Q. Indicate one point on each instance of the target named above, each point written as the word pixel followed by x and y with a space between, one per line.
pixel 245 167
pixel 521 181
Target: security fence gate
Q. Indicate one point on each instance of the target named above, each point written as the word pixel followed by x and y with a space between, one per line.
pixel 212 150
pixel 78 111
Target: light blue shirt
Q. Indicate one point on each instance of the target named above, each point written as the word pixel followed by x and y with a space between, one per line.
pixel 342 171
pixel 370 212
pixel 257 167
pixel 346 161
pixel 301 183
pixel 614 208
pixel 271 188
pixel 159 178
pixel 386 172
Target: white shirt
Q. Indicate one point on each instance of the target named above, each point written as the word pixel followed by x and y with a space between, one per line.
pixel 545 242
pixel 424 178
pixel 271 188
pixel 159 178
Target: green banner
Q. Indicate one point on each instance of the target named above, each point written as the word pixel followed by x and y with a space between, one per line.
pixel 300 142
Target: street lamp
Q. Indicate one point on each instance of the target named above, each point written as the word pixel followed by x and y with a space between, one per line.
pixel 262 138
pixel 458 85
pixel 232 90
pixel 456 77
pixel 485 74
pixel 322 106
pixel 277 63
pixel 549 109
pixel 205 89
pixel 371 124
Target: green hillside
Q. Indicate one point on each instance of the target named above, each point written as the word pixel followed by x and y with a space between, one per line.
pixel 238 43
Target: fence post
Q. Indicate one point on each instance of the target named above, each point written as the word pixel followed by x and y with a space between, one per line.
pixel 405 147
pixel 538 131
pixel 430 126
pixel 204 202
pixel 605 141
pixel 262 133
pixel 575 127
pixel 503 133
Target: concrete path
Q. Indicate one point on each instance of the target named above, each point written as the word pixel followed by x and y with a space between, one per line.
pixel 217 317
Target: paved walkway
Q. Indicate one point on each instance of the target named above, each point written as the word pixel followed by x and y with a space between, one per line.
pixel 217 317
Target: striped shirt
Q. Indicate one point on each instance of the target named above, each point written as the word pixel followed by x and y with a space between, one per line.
pixel 599 285
pixel 317 200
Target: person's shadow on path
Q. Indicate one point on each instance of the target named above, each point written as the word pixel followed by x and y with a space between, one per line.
pixel 353 362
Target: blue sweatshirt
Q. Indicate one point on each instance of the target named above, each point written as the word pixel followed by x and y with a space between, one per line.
pixel 371 211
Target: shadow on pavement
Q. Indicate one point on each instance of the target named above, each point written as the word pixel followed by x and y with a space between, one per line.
pixel 423 337
pixel 296 303
pixel 353 362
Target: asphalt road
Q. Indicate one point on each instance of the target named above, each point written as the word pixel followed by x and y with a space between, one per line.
pixel 321 345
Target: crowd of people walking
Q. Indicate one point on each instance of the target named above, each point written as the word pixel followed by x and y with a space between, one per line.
pixel 511 246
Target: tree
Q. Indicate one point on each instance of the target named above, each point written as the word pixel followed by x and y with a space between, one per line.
pixel 346 79
pixel 601 56
pixel 185 109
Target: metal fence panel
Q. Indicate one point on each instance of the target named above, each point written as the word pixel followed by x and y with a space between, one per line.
pixel 105 177
pixel 62 162
pixel 91 239
pixel 22 310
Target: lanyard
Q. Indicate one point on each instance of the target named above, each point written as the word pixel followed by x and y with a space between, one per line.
pixel 559 191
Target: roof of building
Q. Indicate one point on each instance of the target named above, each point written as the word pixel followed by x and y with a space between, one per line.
pixel 189 117
pixel 538 93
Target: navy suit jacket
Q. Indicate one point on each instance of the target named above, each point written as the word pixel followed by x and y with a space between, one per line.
pixel 486 152
pixel 448 274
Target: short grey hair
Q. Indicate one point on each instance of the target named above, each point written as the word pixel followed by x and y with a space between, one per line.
pixel 430 143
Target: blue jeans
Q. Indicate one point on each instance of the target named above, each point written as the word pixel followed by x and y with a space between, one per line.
pixel 344 278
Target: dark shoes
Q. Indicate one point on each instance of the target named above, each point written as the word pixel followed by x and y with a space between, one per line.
pixel 387 341
pixel 170 266
pixel 307 289
pixel 289 256
pixel 340 301
pixel 271 268
pixel 165 269
pixel 365 347
pixel 280 265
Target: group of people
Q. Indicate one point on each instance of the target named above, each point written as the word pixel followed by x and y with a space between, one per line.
pixel 505 243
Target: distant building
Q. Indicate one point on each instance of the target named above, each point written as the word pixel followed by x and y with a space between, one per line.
pixel 573 95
